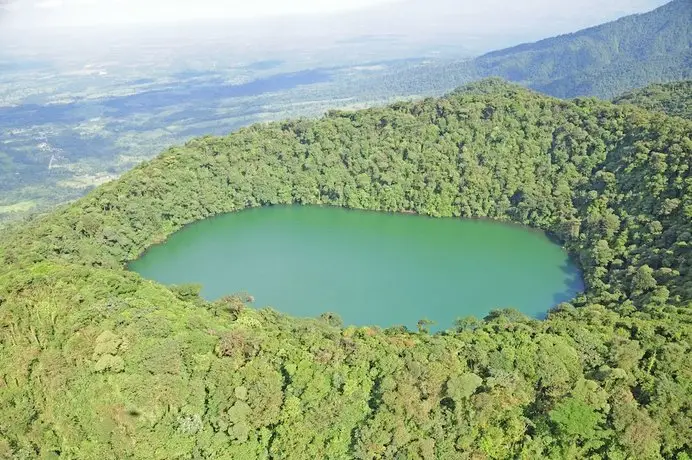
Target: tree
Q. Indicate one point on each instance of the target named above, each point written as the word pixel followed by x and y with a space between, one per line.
pixel 643 280
pixel 574 418
pixel 424 325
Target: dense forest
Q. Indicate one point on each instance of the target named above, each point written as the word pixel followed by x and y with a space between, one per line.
pixel 96 362
pixel 56 152
pixel 603 61
pixel 673 98
pixel 606 60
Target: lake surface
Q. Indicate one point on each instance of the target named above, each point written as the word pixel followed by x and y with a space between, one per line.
pixel 369 268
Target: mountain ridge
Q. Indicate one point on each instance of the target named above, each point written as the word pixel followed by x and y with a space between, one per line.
pixel 674 98
pixel 574 64
pixel 603 61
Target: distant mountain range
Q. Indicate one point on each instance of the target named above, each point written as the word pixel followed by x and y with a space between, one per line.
pixel 603 61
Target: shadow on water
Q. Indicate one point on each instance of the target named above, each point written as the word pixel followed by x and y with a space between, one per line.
pixel 574 284
pixel 554 238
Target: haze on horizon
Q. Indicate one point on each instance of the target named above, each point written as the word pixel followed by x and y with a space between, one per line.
pixel 498 22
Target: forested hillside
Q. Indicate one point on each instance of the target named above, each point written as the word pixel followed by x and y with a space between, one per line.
pixel 606 60
pixel 673 98
pixel 77 132
pixel 603 61
pixel 96 362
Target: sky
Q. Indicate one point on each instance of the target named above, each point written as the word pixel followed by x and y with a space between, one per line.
pixel 50 13
pixel 97 12
pixel 498 23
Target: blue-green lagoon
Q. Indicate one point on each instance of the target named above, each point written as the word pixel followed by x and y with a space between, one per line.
pixel 370 268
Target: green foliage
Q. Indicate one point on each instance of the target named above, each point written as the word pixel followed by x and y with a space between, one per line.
pixel 603 61
pixel 96 362
pixel 187 291
pixel 575 419
pixel 94 143
pixel 672 98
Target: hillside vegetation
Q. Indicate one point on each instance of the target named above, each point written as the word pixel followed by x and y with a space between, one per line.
pixel 606 60
pixel 96 362
pixel 673 98
pixel 61 147
pixel 603 61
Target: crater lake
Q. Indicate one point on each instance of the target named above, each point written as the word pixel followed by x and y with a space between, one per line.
pixel 370 268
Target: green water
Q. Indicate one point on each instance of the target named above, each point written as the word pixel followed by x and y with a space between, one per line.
pixel 370 268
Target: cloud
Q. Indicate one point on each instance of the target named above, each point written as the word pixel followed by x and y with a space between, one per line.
pixel 49 4
pixel 477 25
pixel 90 12
pixel 9 5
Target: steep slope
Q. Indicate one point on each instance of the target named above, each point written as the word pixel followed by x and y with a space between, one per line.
pixel 602 61
pixel 605 60
pixel 96 362
pixel 671 98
